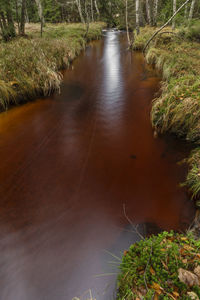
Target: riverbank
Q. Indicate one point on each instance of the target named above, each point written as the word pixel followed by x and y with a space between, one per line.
pixel 166 266
pixel 177 109
pixel 30 66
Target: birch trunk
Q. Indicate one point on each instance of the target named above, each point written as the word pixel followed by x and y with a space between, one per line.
pixel 78 3
pixel 96 7
pixel 137 10
pixel 127 29
pixel 92 12
pixel 148 11
pixel 17 15
pixel 186 11
pixel 174 10
pixel 41 16
pixel 192 9
pixel 155 12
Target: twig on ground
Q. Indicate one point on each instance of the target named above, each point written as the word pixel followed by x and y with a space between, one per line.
pixel 134 226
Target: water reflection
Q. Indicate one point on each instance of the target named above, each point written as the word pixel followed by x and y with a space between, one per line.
pixel 111 92
pixel 113 82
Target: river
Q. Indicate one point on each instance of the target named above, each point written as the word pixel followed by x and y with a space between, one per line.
pixel 71 164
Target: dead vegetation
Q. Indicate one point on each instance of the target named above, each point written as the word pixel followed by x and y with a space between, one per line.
pixel 30 65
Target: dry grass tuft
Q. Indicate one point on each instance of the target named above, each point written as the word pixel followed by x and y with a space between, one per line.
pixel 30 66
pixel 177 110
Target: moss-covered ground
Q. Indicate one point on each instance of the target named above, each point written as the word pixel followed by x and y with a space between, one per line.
pixel 165 266
pixel 30 65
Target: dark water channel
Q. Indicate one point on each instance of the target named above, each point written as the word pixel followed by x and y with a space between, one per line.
pixel 68 165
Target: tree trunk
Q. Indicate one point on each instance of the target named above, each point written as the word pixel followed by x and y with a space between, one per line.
pixel 10 19
pixel 41 16
pixel 174 10
pixel 4 24
pixel 148 11
pixel 87 20
pixel 127 29
pixel 186 11
pixel 78 3
pixel 92 12
pixel 192 9
pixel 17 15
pixel 8 27
pixel 137 11
pixel 155 12
pixel 96 7
pixel 23 17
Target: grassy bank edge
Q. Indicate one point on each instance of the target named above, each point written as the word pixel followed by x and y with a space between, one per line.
pixel 30 66
pixel 177 109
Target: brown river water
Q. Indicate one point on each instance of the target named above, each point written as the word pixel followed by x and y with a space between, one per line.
pixel 70 163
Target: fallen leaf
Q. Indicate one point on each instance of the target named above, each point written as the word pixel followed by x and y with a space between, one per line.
pixel 163 241
pixel 175 294
pixel 182 252
pixel 188 248
pixel 197 271
pixel 157 288
pixel 193 296
pixel 142 291
pixel 184 238
pixel 152 271
pixel 170 295
pixel 184 261
pixel 187 277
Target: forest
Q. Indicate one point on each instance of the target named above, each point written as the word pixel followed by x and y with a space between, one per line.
pixel 100 149
pixel 112 12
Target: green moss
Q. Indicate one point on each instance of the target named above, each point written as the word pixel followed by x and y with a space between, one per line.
pixel 151 267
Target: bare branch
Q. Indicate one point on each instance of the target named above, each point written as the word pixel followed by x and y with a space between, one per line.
pixel 134 226
pixel 155 33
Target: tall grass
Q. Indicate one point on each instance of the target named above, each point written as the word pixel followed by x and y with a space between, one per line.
pixel 193 177
pixel 177 110
pixel 30 66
